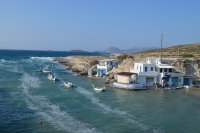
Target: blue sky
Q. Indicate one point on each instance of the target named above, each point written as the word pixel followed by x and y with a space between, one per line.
pixel 97 24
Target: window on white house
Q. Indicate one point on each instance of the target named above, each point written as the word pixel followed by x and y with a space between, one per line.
pixel 146 69
pixel 151 68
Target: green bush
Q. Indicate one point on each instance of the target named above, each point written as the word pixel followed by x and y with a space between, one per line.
pixel 122 57
pixel 187 55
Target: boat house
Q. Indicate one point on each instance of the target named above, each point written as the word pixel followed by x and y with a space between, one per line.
pixel 126 77
pixel 105 66
pixel 127 80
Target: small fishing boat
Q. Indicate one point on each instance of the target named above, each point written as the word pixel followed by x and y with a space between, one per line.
pixel 68 84
pixel 98 89
pixel 187 87
pixel 46 71
pixel 52 77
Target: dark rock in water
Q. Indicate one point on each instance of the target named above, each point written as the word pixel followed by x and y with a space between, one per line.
pixel 41 122
pixel 84 73
pixel 107 81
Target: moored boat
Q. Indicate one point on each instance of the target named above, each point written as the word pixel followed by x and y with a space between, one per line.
pixel 98 89
pixel 68 84
pixel 46 71
pixel 52 77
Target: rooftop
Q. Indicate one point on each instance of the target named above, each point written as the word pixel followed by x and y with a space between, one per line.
pixel 164 66
pixel 126 73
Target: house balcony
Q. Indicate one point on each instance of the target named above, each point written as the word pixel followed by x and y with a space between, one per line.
pixel 148 74
pixel 174 74
pixel 104 67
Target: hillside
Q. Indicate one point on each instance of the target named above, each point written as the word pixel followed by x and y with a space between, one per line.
pixel 188 50
pixel 115 50
pixel 188 58
pixel 77 50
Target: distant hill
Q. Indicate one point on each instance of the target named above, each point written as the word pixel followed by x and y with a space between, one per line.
pixel 116 50
pixel 112 50
pixel 78 50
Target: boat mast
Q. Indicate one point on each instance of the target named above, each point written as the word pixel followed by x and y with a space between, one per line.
pixel 161 45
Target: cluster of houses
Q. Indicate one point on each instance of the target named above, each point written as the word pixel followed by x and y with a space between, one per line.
pixel 150 73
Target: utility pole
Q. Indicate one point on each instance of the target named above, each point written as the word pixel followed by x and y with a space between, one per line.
pixel 161 45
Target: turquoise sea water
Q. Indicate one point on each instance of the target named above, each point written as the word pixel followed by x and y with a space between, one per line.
pixel 28 97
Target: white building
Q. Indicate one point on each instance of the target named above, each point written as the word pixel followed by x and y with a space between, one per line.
pixel 105 66
pixel 152 71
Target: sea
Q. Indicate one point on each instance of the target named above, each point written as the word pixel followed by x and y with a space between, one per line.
pixel 31 103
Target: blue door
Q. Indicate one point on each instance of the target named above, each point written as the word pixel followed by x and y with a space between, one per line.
pixel 186 81
pixel 174 82
pixel 103 72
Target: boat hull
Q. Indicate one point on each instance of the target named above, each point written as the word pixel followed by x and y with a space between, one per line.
pixel 129 86
pixel 68 84
pixel 99 89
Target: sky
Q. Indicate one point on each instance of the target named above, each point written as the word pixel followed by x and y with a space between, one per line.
pixel 97 24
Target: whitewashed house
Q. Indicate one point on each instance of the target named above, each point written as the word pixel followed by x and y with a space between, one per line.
pixel 153 71
pixel 105 66
pixel 146 73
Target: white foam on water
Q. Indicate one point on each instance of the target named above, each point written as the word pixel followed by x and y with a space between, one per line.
pixel 122 114
pixel 51 112
pixel 2 60
pixel 14 68
pixel 43 58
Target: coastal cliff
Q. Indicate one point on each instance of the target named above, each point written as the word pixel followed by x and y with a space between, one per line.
pixel 191 66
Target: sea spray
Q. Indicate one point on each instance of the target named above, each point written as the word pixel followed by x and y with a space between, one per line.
pixel 11 67
pixel 49 111
pixel 43 58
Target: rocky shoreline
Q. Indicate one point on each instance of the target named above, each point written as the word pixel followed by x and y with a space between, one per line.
pixel 81 64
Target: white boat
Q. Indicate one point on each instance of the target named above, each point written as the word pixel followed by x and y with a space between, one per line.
pixel 68 84
pixel 187 87
pixel 98 89
pixel 129 86
pixel 46 71
pixel 52 77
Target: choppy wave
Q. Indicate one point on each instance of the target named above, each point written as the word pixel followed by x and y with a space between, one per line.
pixel 51 112
pixel 122 114
pixel 43 58
pixel 11 66
pixel 3 60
